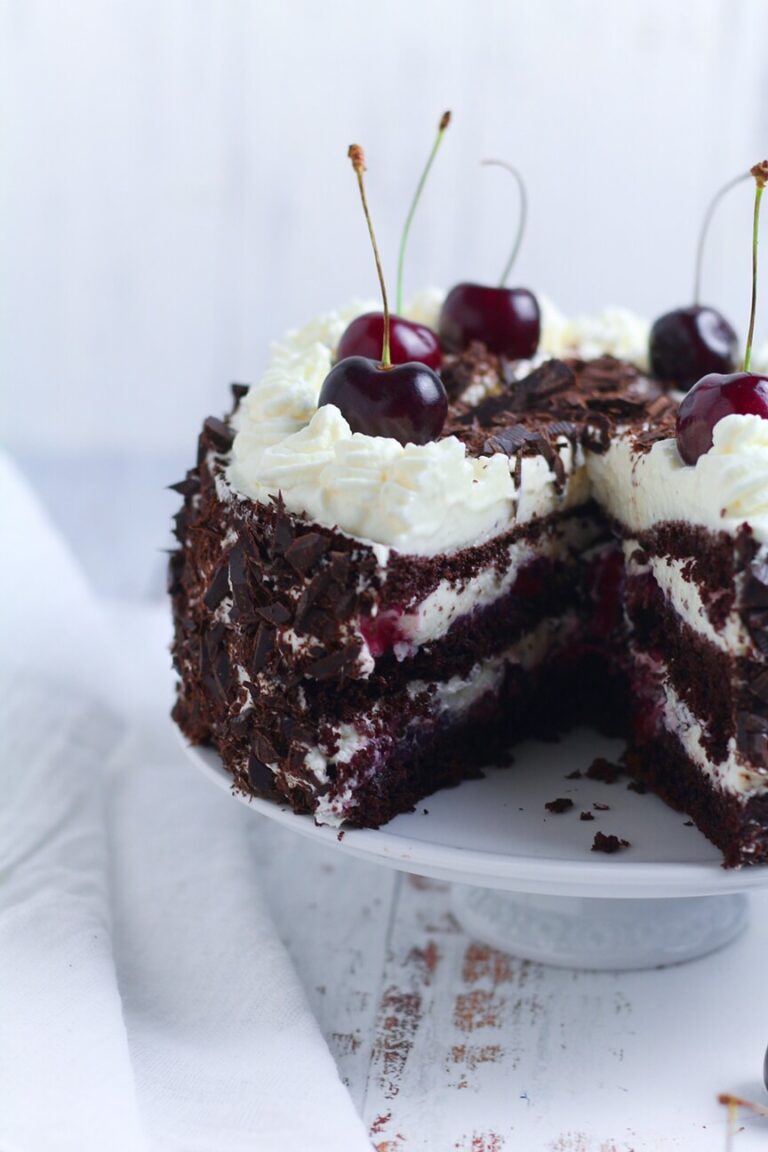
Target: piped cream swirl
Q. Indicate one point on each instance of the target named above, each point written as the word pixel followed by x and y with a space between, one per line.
pixel 430 498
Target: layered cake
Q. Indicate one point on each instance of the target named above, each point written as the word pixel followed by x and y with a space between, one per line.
pixel 360 621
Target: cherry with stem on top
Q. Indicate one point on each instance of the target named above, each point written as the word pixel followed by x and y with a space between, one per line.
pixel 506 320
pixel 405 401
pixel 408 340
pixel 716 395
pixel 688 342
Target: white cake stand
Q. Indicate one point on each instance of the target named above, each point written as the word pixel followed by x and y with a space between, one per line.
pixel 526 881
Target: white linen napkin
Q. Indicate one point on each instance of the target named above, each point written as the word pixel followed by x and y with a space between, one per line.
pixel 196 1036
pixel 65 1072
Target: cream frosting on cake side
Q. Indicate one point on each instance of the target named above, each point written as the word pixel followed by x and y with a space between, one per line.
pixel 727 487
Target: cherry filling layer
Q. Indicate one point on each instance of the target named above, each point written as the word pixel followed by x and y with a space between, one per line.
pixel 383 632
pixel 605 583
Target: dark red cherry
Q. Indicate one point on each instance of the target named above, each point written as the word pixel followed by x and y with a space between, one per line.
pixel 506 320
pixel 407 401
pixel 407 340
pixel 688 343
pixel 714 397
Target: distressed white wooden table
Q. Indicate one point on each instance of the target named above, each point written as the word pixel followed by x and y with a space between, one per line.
pixel 446 1044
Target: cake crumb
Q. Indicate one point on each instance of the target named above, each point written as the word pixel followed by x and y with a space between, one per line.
pixel 598 807
pixel 562 804
pixel 586 816
pixel 608 844
pixel 575 775
pixel 602 769
pixel 688 823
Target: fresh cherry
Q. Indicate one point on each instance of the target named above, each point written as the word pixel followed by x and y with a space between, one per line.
pixel 688 343
pixel 407 340
pixel 407 402
pixel 506 320
pixel 716 396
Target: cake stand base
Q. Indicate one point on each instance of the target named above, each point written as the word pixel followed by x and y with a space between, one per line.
pixel 594 933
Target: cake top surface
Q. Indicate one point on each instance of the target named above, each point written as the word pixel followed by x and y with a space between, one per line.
pixel 522 440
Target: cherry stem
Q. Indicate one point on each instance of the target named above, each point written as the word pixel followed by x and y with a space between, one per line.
pixel 445 120
pixel 521 221
pixel 718 196
pixel 739 1102
pixel 357 156
pixel 760 173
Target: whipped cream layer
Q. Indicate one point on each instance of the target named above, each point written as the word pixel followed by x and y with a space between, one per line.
pixel 684 596
pixel 730 774
pixel 727 487
pixel 432 498
pixel 433 617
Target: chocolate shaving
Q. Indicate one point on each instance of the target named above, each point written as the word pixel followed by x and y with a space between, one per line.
pixel 758 686
pixel 328 667
pixel 305 551
pixel 752 738
pixel 263 646
pixel 460 371
pixel 755 594
pixel 219 434
pixel 757 626
pixel 261 778
pixel 218 588
pixel 264 748
pixel 276 613
pixel 189 486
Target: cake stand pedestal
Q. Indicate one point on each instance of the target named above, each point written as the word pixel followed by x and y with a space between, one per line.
pixel 593 933
pixel 527 880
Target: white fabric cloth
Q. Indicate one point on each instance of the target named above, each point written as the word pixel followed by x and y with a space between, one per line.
pixel 146 1002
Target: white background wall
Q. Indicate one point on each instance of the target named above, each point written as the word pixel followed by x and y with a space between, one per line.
pixel 174 190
